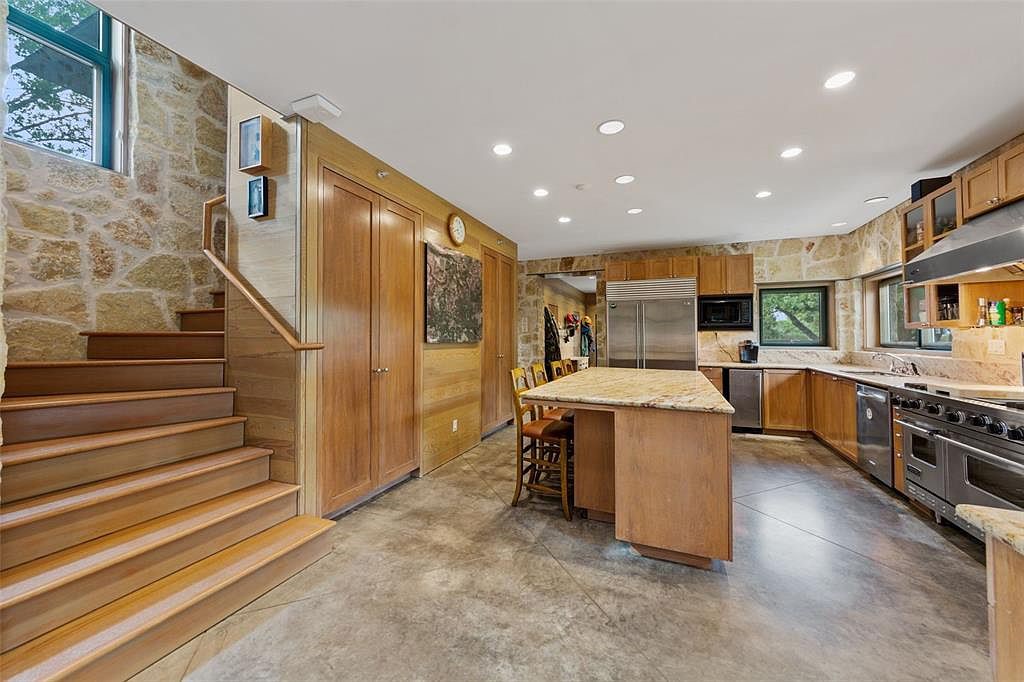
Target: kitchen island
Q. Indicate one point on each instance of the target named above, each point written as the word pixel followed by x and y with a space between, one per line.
pixel 652 455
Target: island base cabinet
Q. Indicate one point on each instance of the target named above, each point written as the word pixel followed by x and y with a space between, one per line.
pixel 1005 568
pixel 659 454
pixel 594 463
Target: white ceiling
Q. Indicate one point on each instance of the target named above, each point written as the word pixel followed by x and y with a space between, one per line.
pixel 711 92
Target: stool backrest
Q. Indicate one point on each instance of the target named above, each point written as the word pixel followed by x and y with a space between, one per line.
pixel 540 377
pixel 569 366
pixel 557 369
pixel 519 387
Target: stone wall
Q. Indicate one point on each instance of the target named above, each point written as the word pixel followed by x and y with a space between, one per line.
pixel 93 249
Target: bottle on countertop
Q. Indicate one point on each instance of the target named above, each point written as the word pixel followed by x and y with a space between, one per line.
pixel 1001 311
pixel 982 312
pixel 993 314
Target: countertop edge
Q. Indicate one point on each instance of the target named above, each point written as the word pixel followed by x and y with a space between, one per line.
pixel 1005 524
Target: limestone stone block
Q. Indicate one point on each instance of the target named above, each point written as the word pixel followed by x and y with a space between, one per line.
pixel 147 173
pixel 34 339
pixel 179 236
pixel 211 134
pixel 130 310
pixel 130 231
pixel 148 211
pixel 18 242
pixel 16 155
pixel 150 111
pixel 56 259
pixel 42 218
pixel 212 100
pixel 163 271
pixel 191 70
pixel 67 302
pixel 208 163
pixel 94 204
pixel 17 181
pixel 102 258
pixel 74 176
pixel 158 53
pixel 185 201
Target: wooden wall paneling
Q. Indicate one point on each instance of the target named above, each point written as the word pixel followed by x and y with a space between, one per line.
pixel 451 390
pixel 490 346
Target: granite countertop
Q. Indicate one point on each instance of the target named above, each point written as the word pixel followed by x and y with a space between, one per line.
pixel 1005 524
pixel 851 372
pixel 656 388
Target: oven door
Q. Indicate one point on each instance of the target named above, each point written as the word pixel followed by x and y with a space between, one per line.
pixel 924 457
pixel 977 473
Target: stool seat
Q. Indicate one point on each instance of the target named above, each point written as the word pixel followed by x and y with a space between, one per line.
pixel 563 413
pixel 547 429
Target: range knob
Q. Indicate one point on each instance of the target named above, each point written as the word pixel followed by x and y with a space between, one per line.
pixel 982 420
pixel 1016 433
pixel 997 428
pixel 914 404
pixel 897 401
pixel 956 416
pixel 933 408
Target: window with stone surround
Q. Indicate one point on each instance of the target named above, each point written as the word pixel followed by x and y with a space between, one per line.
pixel 62 91
pixel 794 316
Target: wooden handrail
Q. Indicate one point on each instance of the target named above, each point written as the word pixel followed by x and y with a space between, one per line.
pixel 280 327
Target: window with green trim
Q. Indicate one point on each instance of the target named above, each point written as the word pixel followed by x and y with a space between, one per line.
pixel 60 91
pixel 794 316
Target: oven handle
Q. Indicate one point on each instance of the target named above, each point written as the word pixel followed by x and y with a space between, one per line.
pixel 984 456
pixel 915 427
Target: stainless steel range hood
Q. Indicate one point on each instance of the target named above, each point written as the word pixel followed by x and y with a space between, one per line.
pixel 988 248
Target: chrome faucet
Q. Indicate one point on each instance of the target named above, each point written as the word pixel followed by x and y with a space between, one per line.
pixel 898 365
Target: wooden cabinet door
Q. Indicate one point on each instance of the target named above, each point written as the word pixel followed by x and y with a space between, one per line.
pixel 785 399
pixel 899 473
pixel 847 418
pixel 684 266
pixel 659 268
pixel 711 275
pixel 346 468
pixel 395 401
pixel 615 271
pixel 506 334
pixel 714 375
pixel 980 188
pixel 490 349
pixel 1010 167
pixel 739 274
pixel 636 269
pixel 819 404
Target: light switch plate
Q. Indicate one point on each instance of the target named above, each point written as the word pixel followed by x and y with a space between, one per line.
pixel 455 425
pixel 996 347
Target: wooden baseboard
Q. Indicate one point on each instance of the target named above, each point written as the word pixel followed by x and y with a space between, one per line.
pixel 676 557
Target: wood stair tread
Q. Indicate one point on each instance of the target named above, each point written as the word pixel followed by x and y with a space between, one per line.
pixel 80 497
pixel 59 364
pixel 179 334
pixel 189 311
pixel 28 580
pixel 74 645
pixel 36 450
pixel 69 399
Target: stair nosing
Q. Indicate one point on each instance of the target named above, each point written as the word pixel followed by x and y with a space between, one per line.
pixel 195 311
pixel 206 334
pixel 276 490
pixel 60 364
pixel 96 652
pixel 136 482
pixel 10 457
pixel 72 399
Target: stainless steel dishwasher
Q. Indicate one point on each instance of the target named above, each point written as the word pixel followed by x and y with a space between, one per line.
pixel 744 386
pixel 874 432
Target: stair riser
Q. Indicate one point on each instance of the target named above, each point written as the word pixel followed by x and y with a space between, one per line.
pixel 206 321
pixel 75 420
pixel 218 300
pixel 33 540
pixel 44 476
pixel 28 619
pixel 105 379
pixel 148 347
pixel 156 642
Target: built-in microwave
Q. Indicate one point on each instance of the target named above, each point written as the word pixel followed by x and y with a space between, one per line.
pixel 719 313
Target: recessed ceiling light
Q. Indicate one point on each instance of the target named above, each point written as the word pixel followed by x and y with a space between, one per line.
pixel 624 179
pixel 875 200
pixel 611 127
pixel 763 194
pixel 635 211
pixel 502 149
pixel 565 219
pixel 540 192
pixel 838 80
pixel 791 152
pixel 839 224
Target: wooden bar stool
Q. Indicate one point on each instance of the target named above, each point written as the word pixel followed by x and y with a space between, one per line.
pixel 539 379
pixel 543 450
pixel 569 366
pixel 557 369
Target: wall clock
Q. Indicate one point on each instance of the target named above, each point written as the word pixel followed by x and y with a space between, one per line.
pixel 457 229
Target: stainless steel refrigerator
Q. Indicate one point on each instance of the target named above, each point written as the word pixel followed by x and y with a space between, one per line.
pixel 652 324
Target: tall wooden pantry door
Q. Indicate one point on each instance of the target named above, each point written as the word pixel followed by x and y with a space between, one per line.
pixel 369 420
pixel 497 353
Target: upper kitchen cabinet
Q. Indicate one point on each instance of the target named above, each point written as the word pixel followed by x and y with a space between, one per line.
pixel 993 183
pixel 931 218
pixel 654 268
pixel 726 274
pixel 684 266
pixel 636 269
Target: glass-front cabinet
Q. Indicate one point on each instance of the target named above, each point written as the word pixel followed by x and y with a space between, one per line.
pixel 925 222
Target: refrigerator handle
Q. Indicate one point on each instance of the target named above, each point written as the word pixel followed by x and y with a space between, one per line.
pixel 639 336
pixel 643 335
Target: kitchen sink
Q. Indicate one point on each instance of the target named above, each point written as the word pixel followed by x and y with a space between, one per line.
pixel 874 372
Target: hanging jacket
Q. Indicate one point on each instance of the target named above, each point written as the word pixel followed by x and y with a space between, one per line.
pixel 552 348
pixel 587 345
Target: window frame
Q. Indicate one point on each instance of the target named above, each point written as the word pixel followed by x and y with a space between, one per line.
pixel 102 59
pixel 826 314
pixel 873 319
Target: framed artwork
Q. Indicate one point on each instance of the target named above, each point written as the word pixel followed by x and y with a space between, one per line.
pixel 254 138
pixel 455 297
pixel 258 197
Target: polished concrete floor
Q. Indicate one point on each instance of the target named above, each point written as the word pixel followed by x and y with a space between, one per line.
pixel 439 579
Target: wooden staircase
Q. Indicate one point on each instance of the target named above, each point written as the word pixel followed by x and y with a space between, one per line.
pixel 134 516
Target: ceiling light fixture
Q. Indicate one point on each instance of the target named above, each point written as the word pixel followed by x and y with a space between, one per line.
pixel 763 194
pixel 838 80
pixel 791 153
pixel 611 127
pixel 502 149
pixel 540 192
pixel 875 200
pixel 624 179
pixel 565 219
pixel 839 224
pixel 635 211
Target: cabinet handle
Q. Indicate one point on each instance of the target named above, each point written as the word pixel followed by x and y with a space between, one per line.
pixel 993 200
pixel 376 370
pixel 387 369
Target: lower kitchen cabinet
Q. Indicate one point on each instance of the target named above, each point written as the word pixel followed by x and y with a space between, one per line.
pixel 834 413
pixel 785 400
pixel 899 473
pixel 714 375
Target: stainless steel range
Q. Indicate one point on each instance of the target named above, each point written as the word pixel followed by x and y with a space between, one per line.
pixel 959 450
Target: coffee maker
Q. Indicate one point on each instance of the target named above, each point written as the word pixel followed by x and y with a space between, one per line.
pixel 748 351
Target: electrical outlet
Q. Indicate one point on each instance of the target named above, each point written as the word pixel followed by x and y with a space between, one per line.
pixel 455 425
pixel 996 347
